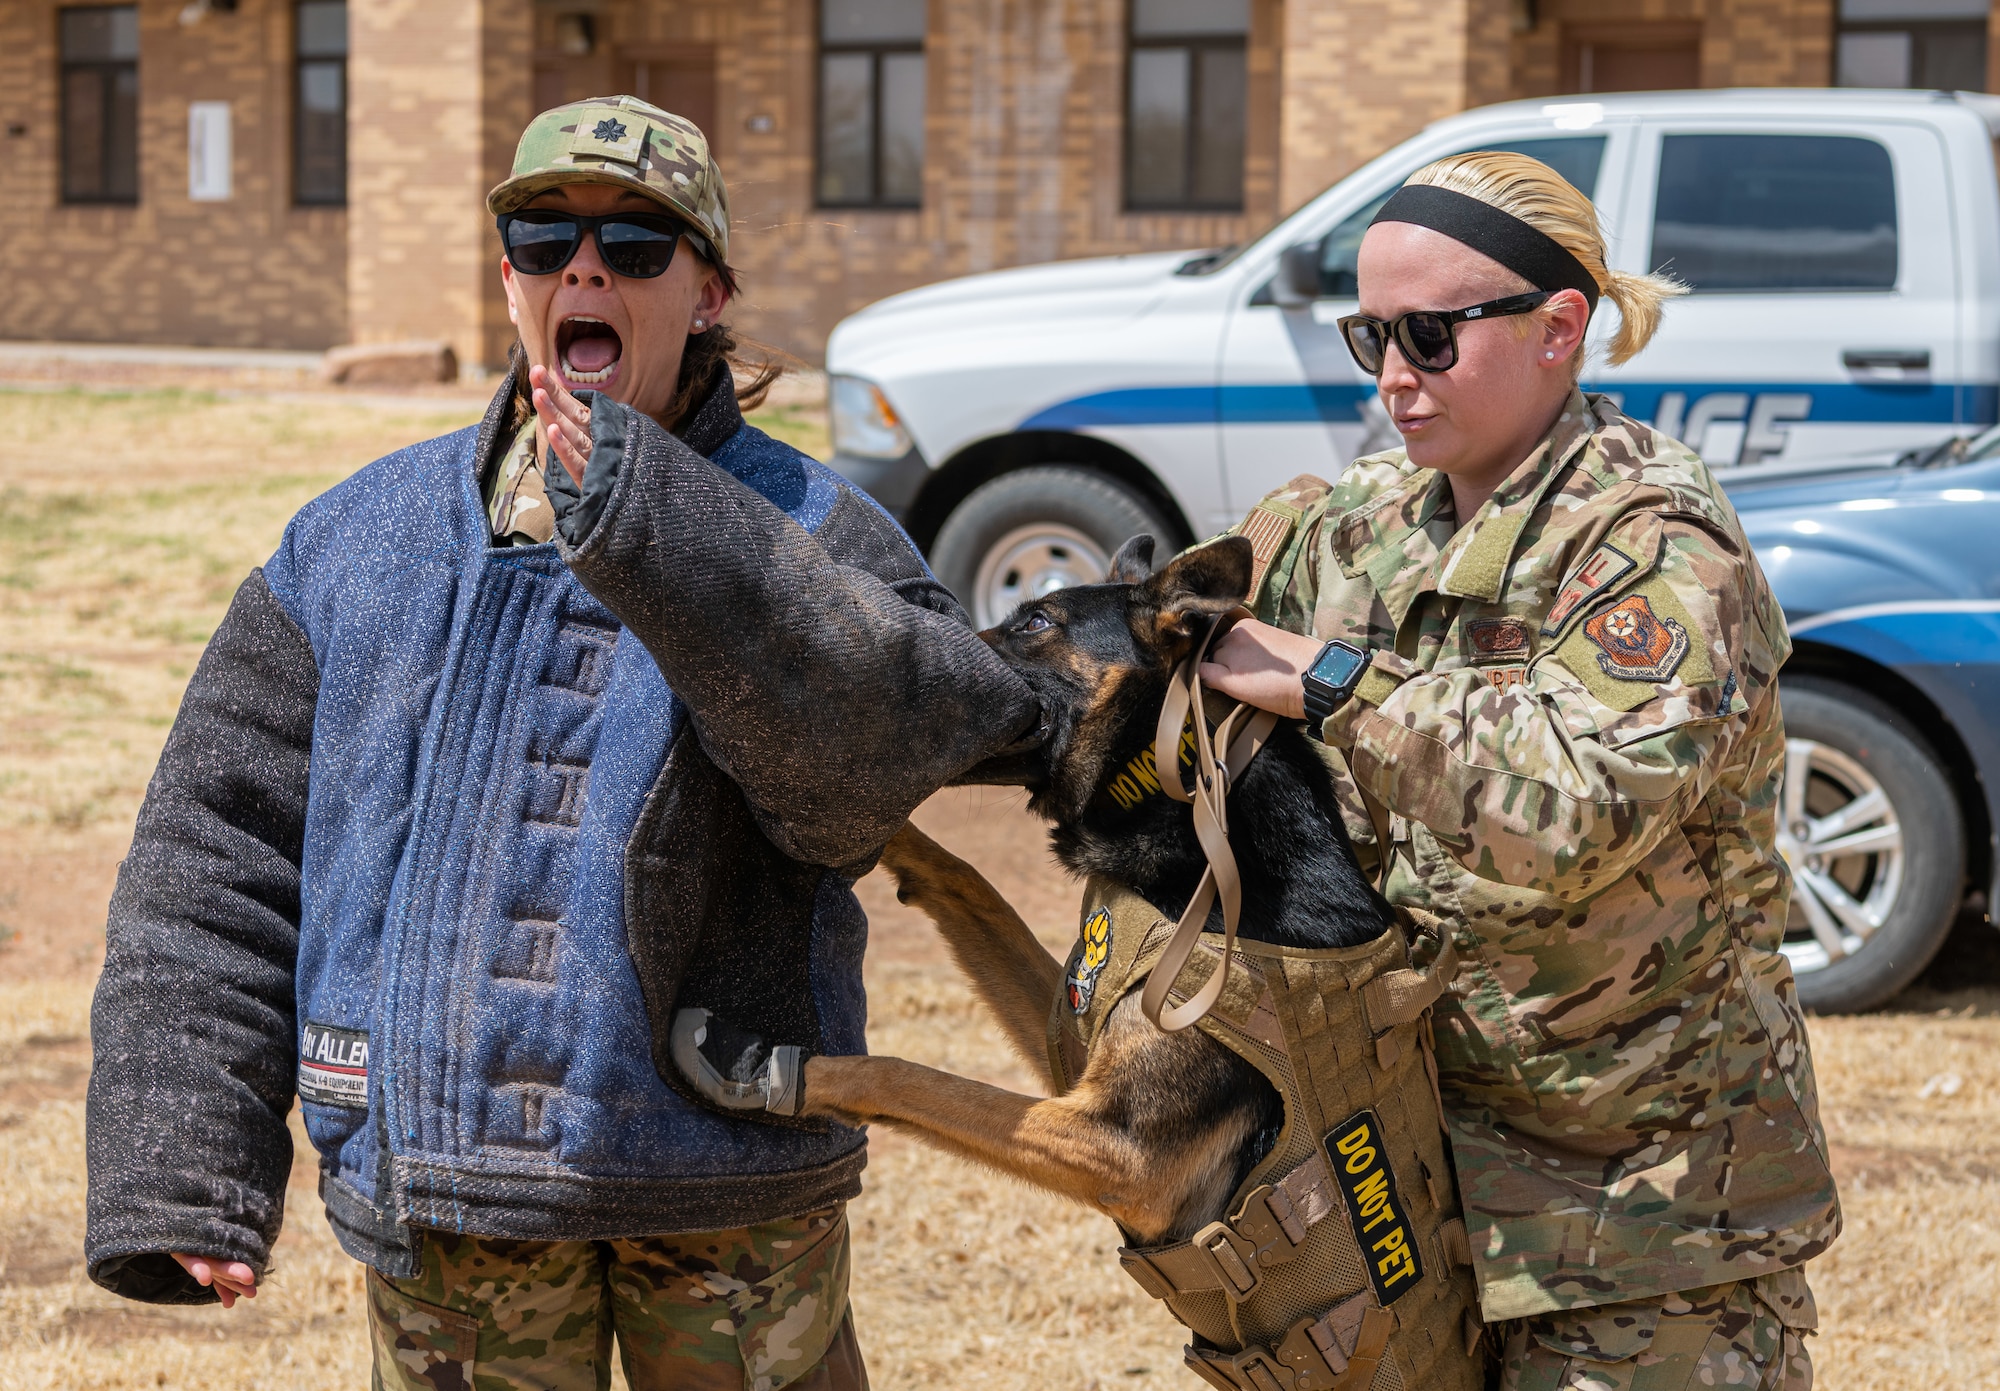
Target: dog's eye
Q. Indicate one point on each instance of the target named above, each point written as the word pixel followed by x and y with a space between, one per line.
pixel 1036 622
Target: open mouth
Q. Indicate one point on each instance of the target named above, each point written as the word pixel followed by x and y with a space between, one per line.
pixel 588 350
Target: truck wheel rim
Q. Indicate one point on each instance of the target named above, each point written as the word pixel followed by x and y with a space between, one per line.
pixel 1840 834
pixel 1031 561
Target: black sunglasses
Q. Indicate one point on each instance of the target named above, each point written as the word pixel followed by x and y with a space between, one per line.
pixel 541 241
pixel 1426 336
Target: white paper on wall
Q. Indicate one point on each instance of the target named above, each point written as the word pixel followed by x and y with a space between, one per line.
pixel 208 151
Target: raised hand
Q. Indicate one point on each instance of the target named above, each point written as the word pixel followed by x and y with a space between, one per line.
pixel 565 420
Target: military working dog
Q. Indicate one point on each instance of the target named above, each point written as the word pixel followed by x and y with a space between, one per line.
pixel 1160 1128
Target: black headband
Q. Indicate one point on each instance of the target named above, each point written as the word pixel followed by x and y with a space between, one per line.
pixel 1531 254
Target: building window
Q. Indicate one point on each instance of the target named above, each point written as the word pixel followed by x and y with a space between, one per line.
pixel 1758 214
pixel 871 103
pixel 1185 93
pixel 100 104
pixel 1937 44
pixel 319 119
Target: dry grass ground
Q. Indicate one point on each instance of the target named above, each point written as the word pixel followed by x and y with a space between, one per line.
pixel 125 523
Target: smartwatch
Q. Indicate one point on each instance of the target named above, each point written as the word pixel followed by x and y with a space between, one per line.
pixel 1330 680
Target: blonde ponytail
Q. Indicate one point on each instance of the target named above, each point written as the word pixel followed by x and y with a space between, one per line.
pixel 1530 190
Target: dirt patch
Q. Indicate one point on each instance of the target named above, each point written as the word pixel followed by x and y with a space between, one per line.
pixel 53 896
pixel 42 1069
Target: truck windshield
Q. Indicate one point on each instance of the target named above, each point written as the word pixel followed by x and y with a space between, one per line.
pixel 1578 158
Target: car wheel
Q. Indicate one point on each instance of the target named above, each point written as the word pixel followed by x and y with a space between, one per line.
pixel 1028 533
pixel 1876 845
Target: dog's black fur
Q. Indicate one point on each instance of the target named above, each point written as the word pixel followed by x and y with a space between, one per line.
pixel 1099 657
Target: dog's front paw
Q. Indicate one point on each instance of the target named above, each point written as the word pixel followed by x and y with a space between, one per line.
pixel 734 1068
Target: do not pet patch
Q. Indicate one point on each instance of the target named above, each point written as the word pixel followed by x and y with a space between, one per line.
pixel 333 1066
pixel 1360 1162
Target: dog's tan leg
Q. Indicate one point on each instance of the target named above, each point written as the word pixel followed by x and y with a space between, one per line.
pixel 1062 1145
pixel 1010 971
pixel 1149 1135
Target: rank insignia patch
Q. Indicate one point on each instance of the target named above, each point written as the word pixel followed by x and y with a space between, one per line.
pixel 1606 565
pixel 1497 640
pixel 1636 644
pixel 601 132
pixel 1093 949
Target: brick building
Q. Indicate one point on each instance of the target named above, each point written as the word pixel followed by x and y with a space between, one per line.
pixel 304 173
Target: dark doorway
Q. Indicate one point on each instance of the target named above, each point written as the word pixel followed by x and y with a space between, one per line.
pixel 679 78
pixel 572 59
pixel 1631 57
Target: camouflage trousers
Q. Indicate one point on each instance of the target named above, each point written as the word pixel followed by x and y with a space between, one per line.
pixel 753 1309
pixel 1747 1335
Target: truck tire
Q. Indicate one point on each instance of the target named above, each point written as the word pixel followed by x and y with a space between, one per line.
pixel 1869 824
pixel 1035 530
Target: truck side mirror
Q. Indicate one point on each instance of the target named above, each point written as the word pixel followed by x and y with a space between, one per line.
pixel 1297 282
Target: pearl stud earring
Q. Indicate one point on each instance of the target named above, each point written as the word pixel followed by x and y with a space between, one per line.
pixel 703 323
pixel 1550 356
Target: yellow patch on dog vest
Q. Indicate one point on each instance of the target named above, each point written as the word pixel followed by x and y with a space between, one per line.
pixel 1358 1158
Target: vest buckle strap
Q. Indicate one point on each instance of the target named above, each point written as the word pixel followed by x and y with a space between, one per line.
pixel 1269 1221
pixel 1253 1369
pixel 1218 1259
pixel 1233 1258
pixel 1341 1348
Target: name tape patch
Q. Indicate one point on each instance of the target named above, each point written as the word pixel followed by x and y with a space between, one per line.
pixel 1360 1164
pixel 333 1066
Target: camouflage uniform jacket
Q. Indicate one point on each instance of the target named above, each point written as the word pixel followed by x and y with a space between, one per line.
pixel 517 499
pixel 1571 720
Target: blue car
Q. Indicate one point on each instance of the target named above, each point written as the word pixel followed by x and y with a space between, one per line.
pixel 1889 574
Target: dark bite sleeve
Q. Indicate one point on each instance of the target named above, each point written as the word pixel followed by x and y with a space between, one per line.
pixel 192 1028
pixel 829 675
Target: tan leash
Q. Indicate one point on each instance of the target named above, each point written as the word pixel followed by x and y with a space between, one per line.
pixel 1240 735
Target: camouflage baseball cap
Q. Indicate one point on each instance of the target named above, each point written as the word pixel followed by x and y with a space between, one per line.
pixel 624 143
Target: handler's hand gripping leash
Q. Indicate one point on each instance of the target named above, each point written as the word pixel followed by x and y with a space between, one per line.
pixel 1240 735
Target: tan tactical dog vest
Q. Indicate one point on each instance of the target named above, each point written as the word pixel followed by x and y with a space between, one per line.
pixel 1343 1263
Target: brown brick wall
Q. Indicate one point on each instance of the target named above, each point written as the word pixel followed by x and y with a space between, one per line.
pixel 1362 75
pixel 251 272
pixel 438 91
pixel 1744 43
pixel 1024 156
pixel 1024 152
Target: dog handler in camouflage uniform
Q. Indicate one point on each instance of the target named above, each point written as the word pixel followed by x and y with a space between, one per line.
pixel 490 768
pixel 1569 733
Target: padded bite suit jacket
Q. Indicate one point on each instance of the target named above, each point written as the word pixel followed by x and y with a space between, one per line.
pixel 444 832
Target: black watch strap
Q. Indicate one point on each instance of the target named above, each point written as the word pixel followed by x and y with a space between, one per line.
pixel 1323 696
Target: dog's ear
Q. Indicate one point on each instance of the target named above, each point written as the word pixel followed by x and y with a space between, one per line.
pixel 1174 604
pixel 1133 563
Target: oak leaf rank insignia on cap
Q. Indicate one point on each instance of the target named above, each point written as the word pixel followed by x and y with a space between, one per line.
pixel 621 142
pixel 599 134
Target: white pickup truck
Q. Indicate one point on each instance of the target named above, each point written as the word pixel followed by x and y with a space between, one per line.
pixel 1843 248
